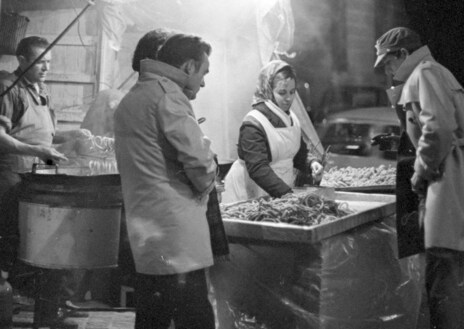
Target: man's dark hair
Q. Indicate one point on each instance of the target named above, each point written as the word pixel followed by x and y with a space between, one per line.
pixel 179 48
pixel 148 47
pixel 26 45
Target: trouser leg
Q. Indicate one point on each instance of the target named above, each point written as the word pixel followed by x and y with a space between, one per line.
pixel 9 230
pixel 219 275
pixel 194 308
pixel 444 285
pixel 154 301
pixel 181 297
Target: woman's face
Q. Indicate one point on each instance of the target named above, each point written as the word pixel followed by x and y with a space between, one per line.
pixel 283 91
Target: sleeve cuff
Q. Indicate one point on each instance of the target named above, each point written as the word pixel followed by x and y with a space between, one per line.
pixel 424 171
pixel 204 194
pixel 5 123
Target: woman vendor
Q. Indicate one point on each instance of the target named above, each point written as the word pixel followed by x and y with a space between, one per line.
pixel 270 142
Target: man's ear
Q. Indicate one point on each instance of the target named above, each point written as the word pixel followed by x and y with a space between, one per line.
pixel 404 52
pixel 189 67
pixel 22 60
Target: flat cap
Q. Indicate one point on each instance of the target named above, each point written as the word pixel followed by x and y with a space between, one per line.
pixel 395 39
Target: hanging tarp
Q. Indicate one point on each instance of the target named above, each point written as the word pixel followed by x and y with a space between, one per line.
pixel 275 25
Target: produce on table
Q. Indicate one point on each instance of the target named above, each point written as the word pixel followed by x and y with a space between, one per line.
pixel 355 177
pixel 304 209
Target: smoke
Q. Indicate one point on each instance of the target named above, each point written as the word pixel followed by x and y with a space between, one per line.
pixel 243 35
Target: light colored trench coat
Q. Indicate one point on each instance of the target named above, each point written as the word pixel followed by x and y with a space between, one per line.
pixel 167 171
pixel 434 101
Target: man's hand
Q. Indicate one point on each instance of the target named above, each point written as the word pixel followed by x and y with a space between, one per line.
pixel 386 142
pixel 70 142
pixel 9 144
pixel 49 154
pixel 418 185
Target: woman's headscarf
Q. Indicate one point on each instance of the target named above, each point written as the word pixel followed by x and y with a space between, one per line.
pixel 265 79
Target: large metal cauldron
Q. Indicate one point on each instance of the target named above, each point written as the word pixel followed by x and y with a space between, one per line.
pixel 69 221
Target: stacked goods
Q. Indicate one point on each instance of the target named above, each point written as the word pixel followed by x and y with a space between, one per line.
pixel 97 152
pixel 92 145
pixel 356 177
pixel 103 166
pixel 305 209
pixel 90 151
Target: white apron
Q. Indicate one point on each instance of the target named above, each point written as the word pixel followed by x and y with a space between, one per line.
pixel 284 143
pixel 36 127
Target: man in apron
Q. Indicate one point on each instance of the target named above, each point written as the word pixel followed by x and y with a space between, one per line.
pixel 27 131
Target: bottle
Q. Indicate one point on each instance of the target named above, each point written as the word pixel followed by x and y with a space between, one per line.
pixel 6 302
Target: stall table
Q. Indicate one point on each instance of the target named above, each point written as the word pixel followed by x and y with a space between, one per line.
pixel 341 274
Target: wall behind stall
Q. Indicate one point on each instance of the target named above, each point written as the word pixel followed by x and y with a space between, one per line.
pixel 334 42
pixel 313 58
pixel 73 74
pixel 441 26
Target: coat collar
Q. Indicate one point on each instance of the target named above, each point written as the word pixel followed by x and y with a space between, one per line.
pixel 150 66
pixel 410 63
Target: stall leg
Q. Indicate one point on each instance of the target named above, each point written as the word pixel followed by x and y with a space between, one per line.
pixel 48 299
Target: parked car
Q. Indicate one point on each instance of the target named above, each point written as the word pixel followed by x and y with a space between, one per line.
pixel 347 97
pixel 349 135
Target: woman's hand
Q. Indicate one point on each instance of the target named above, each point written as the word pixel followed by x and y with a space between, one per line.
pixel 317 170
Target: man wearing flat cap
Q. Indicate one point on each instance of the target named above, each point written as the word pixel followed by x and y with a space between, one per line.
pixel 433 104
